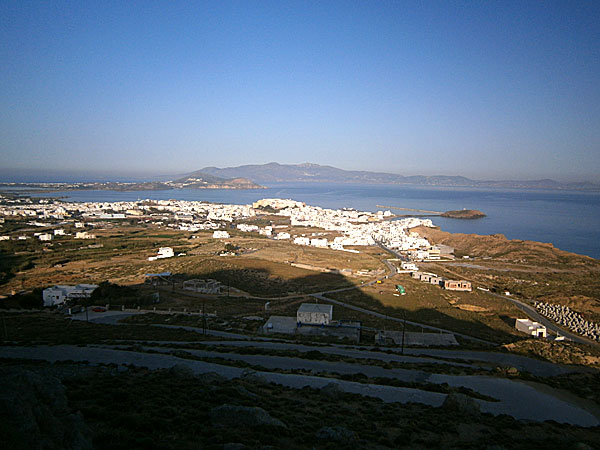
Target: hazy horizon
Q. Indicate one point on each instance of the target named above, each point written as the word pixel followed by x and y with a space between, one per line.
pixel 10 175
pixel 487 91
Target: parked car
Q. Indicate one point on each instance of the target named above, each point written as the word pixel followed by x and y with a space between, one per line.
pixel 99 309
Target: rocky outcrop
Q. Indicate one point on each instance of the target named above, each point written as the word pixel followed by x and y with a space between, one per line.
pixel 338 434
pixel 36 415
pixel 234 416
pixel 464 214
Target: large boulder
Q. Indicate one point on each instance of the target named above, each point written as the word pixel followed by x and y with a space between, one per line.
pixel 234 416
pixel 182 371
pixel 332 390
pixel 462 404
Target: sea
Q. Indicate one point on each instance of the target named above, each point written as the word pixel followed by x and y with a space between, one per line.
pixel 570 220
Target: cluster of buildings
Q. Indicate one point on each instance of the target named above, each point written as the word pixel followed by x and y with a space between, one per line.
pixel 565 316
pixel 451 285
pixel 353 228
pixel 356 228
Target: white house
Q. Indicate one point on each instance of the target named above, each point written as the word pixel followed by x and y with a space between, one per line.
pixel 220 234
pixel 45 237
pixel 409 266
pixel 84 235
pixel 59 232
pixel 247 228
pixel 266 231
pixel 314 313
pixel 163 252
pixel 532 328
pixel 318 242
pixel 302 241
pixel 283 235
pixel 58 294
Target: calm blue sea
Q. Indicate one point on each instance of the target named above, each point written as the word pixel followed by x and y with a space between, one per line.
pixel 570 220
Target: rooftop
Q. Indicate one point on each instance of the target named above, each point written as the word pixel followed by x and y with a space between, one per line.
pixel 315 307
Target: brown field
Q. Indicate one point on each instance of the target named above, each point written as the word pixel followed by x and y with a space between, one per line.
pixel 262 268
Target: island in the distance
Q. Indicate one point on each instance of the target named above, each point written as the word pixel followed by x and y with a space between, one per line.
pixel 194 180
pixel 463 214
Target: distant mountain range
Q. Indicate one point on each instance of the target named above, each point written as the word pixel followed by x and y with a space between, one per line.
pixel 315 173
pixel 251 177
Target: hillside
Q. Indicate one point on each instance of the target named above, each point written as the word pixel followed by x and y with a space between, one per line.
pixel 498 246
pixel 201 180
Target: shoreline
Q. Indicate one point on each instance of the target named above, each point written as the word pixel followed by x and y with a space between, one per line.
pixel 517 221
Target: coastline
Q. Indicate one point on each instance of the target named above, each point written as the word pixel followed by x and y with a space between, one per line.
pixel 541 216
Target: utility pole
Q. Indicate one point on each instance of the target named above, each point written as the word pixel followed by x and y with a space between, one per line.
pixel 228 283
pixel 204 317
pixel 5 330
pixel 403 330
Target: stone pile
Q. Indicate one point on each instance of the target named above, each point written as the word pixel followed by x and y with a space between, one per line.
pixel 565 316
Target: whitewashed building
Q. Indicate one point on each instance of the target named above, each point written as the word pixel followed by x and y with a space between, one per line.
pixel 163 252
pixel 58 294
pixel 318 242
pixel 532 328
pixel 84 235
pixel 314 314
pixel 409 266
pixel 247 228
pixel 220 234
pixel 302 241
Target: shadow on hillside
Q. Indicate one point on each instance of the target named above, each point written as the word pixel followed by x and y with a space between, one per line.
pixel 11 263
pixel 284 297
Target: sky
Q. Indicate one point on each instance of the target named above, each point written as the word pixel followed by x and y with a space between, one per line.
pixel 487 90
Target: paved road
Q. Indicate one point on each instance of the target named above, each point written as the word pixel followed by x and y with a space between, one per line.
pixel 520 400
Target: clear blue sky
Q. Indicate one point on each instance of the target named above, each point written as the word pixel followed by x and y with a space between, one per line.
pixel 482 89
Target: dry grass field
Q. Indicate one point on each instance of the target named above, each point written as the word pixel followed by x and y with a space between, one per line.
pixel 271 269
